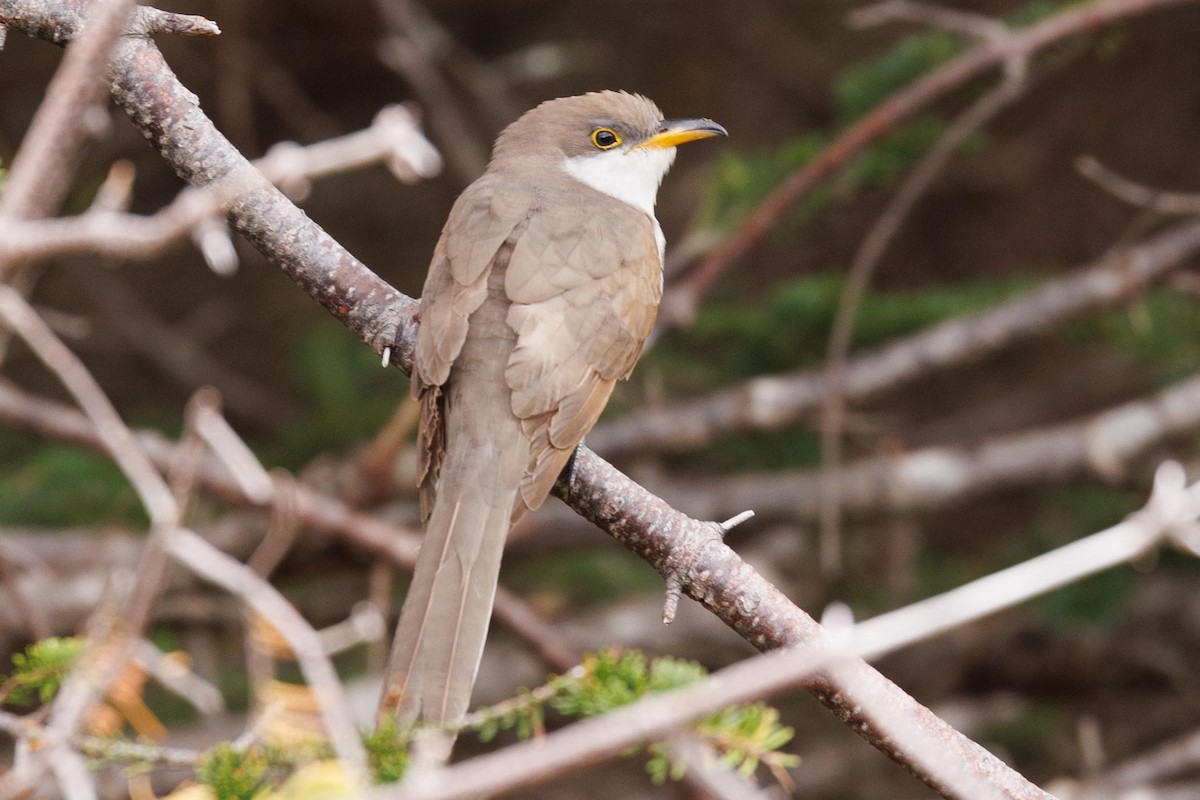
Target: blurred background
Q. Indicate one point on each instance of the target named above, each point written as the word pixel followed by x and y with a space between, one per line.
pixel 1088 676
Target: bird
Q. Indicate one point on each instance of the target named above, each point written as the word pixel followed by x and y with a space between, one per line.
pixel 541 293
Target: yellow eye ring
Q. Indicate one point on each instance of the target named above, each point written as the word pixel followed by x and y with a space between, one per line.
pixel 605 138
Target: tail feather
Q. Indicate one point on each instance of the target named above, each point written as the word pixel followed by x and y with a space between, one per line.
pixel 444 623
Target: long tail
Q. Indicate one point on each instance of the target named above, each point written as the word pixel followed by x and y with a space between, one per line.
pixel 445 618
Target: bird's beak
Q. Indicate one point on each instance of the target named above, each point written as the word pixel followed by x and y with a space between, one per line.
pixel 680 131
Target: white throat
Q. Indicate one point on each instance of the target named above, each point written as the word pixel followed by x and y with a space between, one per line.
pixel 632 177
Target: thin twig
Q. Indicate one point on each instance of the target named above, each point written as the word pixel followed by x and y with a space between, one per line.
pixel 175 675
pixel 1168 760
pixel 966 23
pixel 1171 503
pixel 318 510
pixel 20 319
pixel 405 52
pixel 1137 194
pixel 149 92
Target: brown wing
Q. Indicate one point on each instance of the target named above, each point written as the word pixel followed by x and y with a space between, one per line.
pixel 485 216
pixel 584 300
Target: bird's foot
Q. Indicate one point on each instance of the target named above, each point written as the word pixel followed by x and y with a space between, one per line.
pixel 674 578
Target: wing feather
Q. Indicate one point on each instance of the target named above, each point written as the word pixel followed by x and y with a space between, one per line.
pixel 486 215
pixel 584 301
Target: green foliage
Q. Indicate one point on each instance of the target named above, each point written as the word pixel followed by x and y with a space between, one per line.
pixel 749 735
pixel 60 486
pixel 583 578
pixel 40 670
pixel 523 714
pixel 1065 515
pixel 608 679
pixel 387 751
pixel 740 181
pixel 745 736
pixel 790 327
pixel 1162 330
pixel 864 86
pixel 264 773
pixel 234 774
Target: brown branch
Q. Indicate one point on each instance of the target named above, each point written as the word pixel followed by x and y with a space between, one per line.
pixel 317 510
pixel 170 116
pixel 967 23
pixel 680 304
pixel 679 547
pixel 714 575
pixel 20 319
pixel 771 402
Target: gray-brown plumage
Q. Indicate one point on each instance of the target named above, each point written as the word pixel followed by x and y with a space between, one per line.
pixel 541 292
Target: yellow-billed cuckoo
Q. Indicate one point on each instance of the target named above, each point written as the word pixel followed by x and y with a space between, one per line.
pixel 542 290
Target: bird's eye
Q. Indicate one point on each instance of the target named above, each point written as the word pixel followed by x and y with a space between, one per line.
pixel 605 138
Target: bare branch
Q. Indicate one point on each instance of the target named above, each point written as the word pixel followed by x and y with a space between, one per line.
pixel 317 510
pixel 673 543
pixel 20 319
pixel 406 51
pixel 1171 505
pixel 174 675
pixel 712 574
pixel 1170 760
pixel 149 21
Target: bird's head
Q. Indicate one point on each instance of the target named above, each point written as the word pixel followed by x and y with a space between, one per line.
pixel 617 143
